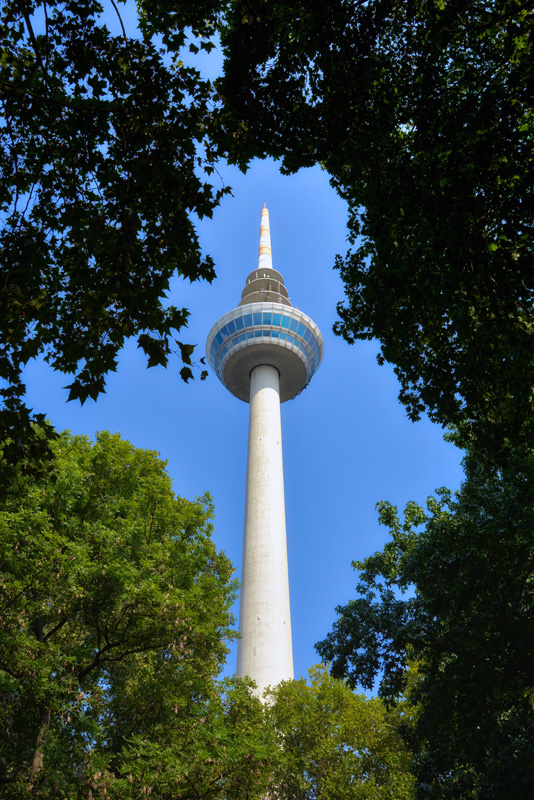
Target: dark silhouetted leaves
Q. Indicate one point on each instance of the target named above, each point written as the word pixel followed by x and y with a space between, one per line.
pixel 422 113
pixel 105 143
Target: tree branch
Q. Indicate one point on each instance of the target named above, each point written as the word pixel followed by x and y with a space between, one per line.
pixel 120 20
pixel 33 40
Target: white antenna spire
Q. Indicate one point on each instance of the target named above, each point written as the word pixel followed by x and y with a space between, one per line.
pixel 265 258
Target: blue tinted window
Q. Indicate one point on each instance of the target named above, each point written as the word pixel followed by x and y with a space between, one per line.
pixel 235 341
pixel 276 319
pixel 239 323
pixel 257 318
pixel 290 338
pixel 250 334
pixel 293 325
pixel 275 334
pixel 231 327
pixel 285 322
pixel 248 320
pixel 307 334
pixel 258 333
pixel 242 337
pixel 266 333
pixel 301 329
pixel 313 341
pixel 283 336
pixel 219 338
pixel 213 351
pixel 223 352
pixel 266 318
pixel 224 331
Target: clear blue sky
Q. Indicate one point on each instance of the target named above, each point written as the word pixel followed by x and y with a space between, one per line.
pixel 347 442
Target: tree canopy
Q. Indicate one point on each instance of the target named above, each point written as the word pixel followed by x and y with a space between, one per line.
pixel 114 623
pixel 422 114
pixel 107 144
pixel 453 592
pixel 335 744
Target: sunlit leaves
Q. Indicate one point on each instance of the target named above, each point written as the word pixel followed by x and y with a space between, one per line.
pixel 335 744
pixel 115 614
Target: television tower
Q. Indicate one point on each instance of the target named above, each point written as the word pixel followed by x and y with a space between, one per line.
pixel 265 352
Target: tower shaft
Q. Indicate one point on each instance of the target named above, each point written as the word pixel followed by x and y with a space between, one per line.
pixel 265 650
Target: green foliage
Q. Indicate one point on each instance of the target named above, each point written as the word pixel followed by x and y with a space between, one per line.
pixel 106 145
pixel 114 618
pixel 422 114
pixel 337 745
pixel 454 591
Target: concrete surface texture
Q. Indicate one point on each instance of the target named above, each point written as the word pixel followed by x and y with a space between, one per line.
pixel 264 651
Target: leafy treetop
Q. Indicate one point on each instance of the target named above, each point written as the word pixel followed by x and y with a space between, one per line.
pixel 115 618
pixel 335 744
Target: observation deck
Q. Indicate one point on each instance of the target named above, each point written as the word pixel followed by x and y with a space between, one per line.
pixel 265 329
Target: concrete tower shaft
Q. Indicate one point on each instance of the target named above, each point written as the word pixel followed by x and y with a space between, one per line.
pixel 264 651
pixel 265 352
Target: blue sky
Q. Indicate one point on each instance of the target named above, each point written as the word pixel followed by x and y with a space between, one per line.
pixel 347 442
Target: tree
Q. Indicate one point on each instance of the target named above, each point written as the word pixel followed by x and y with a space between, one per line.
pixel 422 114
pixel 453 591
pixel 114 618
pixel 106 148
pixel 336 745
